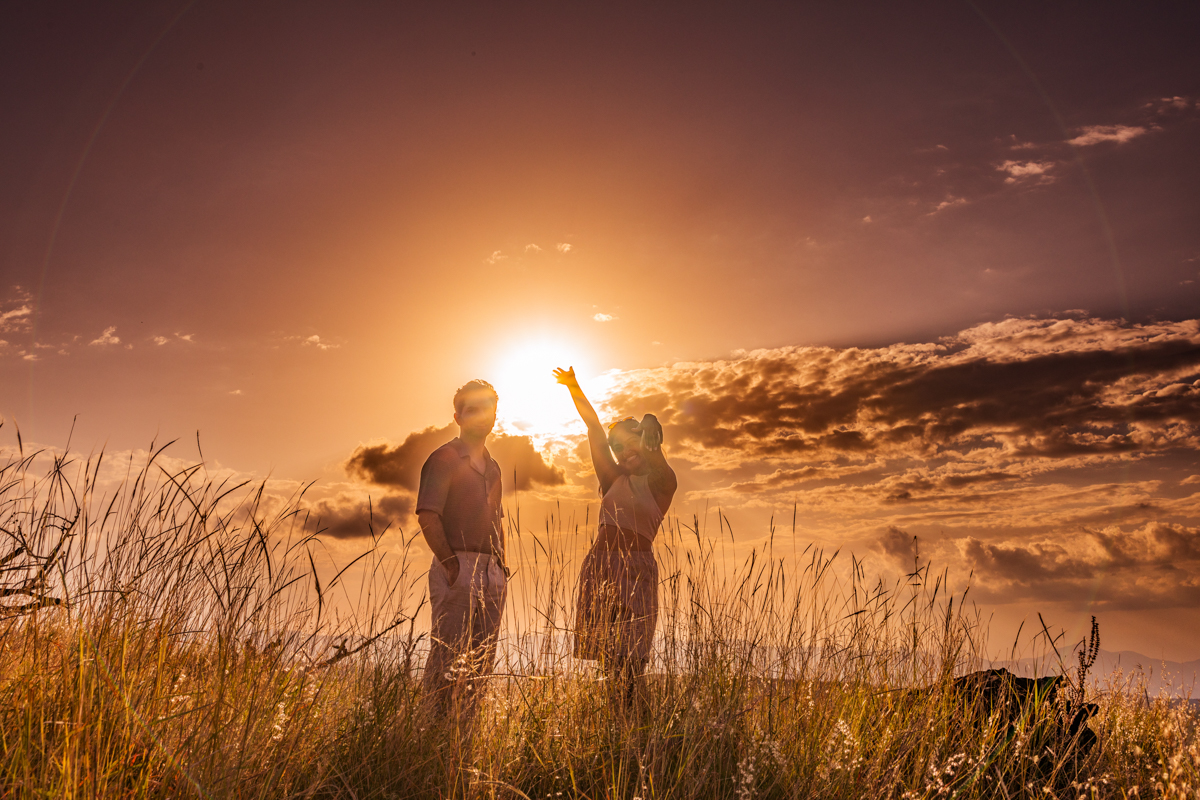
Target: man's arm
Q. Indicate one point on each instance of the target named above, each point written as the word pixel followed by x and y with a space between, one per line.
pixel 435 537
pixel 436 474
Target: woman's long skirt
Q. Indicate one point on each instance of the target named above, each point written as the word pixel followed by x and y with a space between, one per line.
pixel 618 606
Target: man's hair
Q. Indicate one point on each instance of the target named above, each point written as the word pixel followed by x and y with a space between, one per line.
pixel 471 387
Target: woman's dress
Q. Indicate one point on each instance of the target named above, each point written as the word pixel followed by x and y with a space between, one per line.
pixel 617 609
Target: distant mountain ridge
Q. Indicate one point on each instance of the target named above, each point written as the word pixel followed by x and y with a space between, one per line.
pixel 1139 673
pixel 1177 678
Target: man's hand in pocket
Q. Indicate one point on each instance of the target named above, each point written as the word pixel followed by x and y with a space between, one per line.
pixel 451 567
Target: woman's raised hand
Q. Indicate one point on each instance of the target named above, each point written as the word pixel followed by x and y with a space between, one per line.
pixel 651 432
pixel 566 377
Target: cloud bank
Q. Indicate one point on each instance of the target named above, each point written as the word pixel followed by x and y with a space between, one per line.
pixel 1048 456
pixel 1018 389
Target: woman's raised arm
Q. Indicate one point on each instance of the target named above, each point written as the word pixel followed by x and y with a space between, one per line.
pixel 602 458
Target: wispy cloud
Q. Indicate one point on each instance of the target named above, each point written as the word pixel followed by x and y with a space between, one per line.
pixel 107 338
pixel 16 312
pixel 532 248
pixel 599 317
pixel 949 202
pixel 1173 105
pixel 495 257
pixel 563 247
pixel 1027 171
pixel 313 340
pixel 316 341
pixel 15 319
pixel 1097 134
pixel 1016 144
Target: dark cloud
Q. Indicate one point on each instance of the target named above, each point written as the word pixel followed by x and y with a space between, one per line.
pixel 899 546
pixel 1155 566
pixel 958 480
pixel 1026 388
pixel 522 464
pixel 346 517
pixel 399 465
pixel 932 485
pixel 785 478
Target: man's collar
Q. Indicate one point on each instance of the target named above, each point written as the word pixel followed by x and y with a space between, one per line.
pixel 463 450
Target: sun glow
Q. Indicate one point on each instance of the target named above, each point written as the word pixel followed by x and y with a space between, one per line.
pixel 531 402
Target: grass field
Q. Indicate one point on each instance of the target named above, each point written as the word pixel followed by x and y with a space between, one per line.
pixel 175 636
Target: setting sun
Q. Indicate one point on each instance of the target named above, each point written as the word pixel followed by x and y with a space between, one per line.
pixel 531 402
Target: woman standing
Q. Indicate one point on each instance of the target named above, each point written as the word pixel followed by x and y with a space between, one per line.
pixel 618 584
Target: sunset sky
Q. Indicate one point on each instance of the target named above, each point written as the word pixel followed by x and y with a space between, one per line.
pixel 907 269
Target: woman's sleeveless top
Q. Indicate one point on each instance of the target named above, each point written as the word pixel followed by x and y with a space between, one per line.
pixel 629 504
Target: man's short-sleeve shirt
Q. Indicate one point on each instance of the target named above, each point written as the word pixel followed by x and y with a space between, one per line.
pixel 468 502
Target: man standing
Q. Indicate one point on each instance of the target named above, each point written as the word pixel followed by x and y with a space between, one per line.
pixel 459 508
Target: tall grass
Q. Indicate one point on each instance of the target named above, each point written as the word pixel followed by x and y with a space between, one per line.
pixel 179 636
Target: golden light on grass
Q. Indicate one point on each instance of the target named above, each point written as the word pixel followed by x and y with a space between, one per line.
pixel 171 636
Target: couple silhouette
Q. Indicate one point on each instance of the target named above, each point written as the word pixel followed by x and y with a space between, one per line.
pixel 460 512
